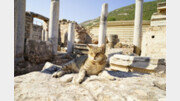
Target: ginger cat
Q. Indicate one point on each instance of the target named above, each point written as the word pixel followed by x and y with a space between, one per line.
pixel 92 64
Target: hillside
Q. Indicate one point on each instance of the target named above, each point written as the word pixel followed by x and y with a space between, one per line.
pixel 127 13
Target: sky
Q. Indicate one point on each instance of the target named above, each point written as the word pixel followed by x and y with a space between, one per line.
pixel 76 10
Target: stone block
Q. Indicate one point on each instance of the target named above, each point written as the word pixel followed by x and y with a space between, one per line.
pixel 38 51
pixel 136 63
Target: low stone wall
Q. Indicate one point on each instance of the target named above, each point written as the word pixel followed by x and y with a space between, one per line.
pixel 124 30
pixel 38 51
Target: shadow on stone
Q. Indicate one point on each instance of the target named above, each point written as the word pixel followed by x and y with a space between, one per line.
pixel 50 70
pixel 122 74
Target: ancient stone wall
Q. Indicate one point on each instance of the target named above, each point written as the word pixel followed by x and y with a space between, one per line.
pixel 81 35
pixel 29 22
pixel 37 32
pixel 154 42
pixel 124 30
pixel 38 51
pixel 32 30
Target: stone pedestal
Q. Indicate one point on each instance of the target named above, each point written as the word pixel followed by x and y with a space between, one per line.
pixel 138 26
pixel 70 42
pixel 103 25
pixel 19 24
pixel 53 25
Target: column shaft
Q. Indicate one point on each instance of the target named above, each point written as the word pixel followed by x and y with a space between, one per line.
pixel 20 27
pixel 53 25
pixel 70 42
pixel 103 25
pixel 138 26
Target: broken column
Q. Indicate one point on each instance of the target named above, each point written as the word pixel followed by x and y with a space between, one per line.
pixel 103 25
pixel 19 28
pixel 138 26
pixel 45 32
pixel 70 42
pixel 53 25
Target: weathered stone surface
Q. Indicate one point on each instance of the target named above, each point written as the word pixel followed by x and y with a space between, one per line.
pixel 38 51
pixel 154 42
pixel 37 86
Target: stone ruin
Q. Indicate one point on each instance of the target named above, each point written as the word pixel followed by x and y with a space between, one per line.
pixel 81 35
pixel 59 41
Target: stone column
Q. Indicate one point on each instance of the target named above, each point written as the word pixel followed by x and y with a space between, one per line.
pixel 45 26
pixel 70 42
pixel 44 31
pixel 103 25
pixel 20 6
pixel 53 25
pixel 138 26
pixel 43 35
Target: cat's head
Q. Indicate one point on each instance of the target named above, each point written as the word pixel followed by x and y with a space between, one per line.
pixel 96 53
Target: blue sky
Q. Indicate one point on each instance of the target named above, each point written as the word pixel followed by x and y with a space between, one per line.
pixel 76 10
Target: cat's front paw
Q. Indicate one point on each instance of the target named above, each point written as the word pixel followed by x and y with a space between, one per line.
pixel 57 74
pixel 75 80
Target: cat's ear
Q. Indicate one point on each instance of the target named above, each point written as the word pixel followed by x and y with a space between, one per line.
pixel 89 46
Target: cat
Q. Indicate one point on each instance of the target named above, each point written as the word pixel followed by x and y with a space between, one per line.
pixel 92 64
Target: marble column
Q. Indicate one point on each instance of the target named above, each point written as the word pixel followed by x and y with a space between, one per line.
pixel 19 24
pixel 138 26
pixel 70 42
pixel 53 25
pixel 103 25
